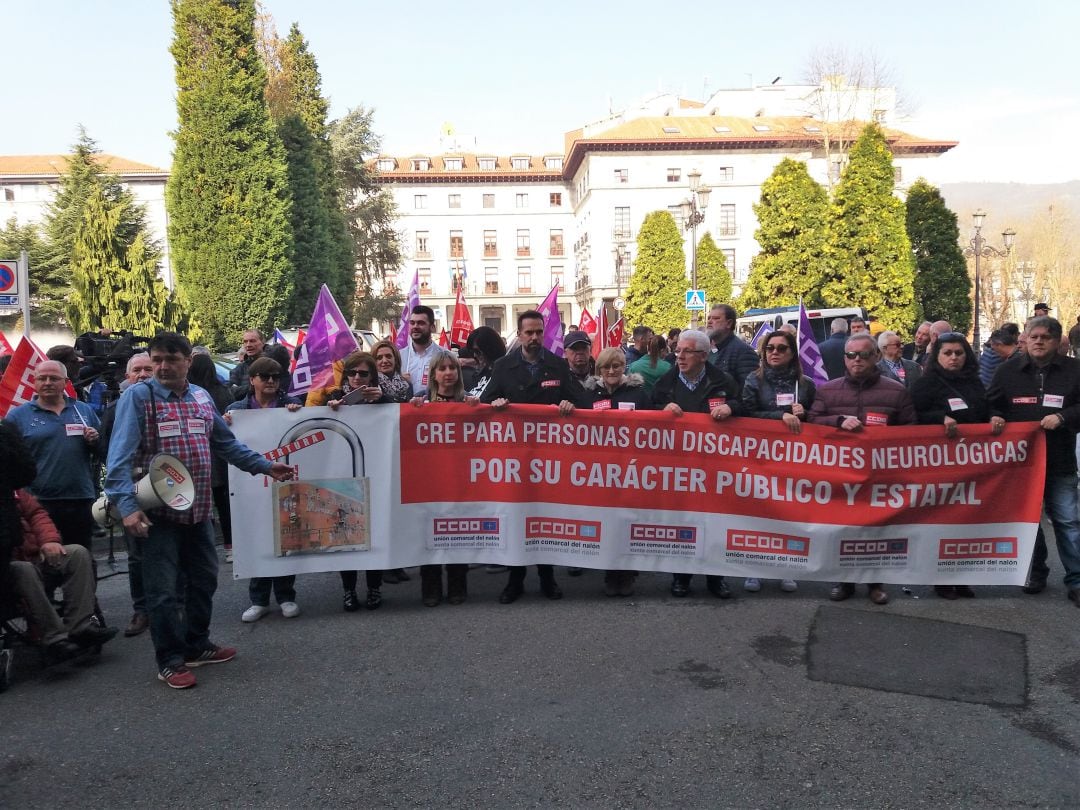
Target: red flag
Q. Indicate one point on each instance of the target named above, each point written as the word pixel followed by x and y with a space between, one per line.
pixel 444 339
pixel 600 341
pixel 615 333
pixel 462 325
pixel 588 324
pixel 17 385
pixel 5 347
pixel 393 333
pixel 300 335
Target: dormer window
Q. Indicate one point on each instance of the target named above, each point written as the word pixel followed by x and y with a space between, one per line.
pixel 452 164
pixel 421 164
pixel 553 163
pixel 487 164
pixel 520 164
pixel 671 130
pixel 386 164
pixel 762 128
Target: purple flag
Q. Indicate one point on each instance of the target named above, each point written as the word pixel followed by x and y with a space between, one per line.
pixel 329 338
pixel 763 331
pixel 553 337
pixel 411 300
pixel 809 353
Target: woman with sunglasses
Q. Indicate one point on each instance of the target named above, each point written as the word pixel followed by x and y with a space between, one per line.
pixel 778 390
pixel 359 386
pixel 613 389
pixel 950 393
pixel 265 378
pixel 444 374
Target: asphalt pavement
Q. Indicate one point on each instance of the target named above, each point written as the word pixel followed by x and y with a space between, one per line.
pixel 766 700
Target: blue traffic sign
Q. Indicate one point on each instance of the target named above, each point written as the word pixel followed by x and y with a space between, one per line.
pixel 7 276
pixel 695 299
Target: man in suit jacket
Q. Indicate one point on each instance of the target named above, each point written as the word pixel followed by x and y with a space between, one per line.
pixel 832 349
pixel 893 364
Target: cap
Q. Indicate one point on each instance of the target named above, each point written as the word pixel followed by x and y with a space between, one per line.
pixel 577 336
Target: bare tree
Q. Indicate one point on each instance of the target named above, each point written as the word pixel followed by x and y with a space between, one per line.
pixel 1049 246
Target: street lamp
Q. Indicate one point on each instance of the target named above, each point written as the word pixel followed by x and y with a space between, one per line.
pixel 978 248
pixel 693 214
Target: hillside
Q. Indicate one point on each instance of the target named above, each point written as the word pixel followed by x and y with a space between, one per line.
pixel 1008 204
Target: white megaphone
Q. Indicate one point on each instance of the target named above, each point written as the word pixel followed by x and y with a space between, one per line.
pixel 168 483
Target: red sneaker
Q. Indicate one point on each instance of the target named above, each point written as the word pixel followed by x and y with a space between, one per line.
pixel 212 655
pixel 179 677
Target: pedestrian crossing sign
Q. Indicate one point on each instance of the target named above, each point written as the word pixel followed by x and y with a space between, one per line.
pixel 695 299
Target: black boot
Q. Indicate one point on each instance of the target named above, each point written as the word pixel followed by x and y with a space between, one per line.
pixel 456 583
pixel 431 584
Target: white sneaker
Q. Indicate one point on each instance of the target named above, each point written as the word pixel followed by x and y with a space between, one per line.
pixel 254 613
pixel 789 585
pixel 753 585
pixel 290 609
pixel 228 555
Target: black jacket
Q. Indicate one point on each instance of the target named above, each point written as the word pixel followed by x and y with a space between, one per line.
pixel 716 384
pixel 832 355
pixel 736 357
pixel 17 470
pixel 630 392
pixel 932 392
pixel 1018 394
pixel 512 380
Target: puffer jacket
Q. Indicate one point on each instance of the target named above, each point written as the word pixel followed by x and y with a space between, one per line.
pixel 872 400
pixel 759 394
pixel 630 395
pixel 37 527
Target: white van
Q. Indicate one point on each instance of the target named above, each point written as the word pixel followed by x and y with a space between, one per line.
pixel 820 319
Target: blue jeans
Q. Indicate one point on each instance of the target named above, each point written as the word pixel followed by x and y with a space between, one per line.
pixel 179 552
pixel 1061 503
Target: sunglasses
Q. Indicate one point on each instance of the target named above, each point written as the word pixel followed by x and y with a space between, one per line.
pixel 268 377
pixel 778 348
pixel 863 355
pixel 357 372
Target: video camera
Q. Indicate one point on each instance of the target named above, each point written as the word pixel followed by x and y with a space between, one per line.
pixel 105 355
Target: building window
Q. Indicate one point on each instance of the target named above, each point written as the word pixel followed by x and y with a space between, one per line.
pixel 491 280
pixel 386 164
pixel 555 242
pixel 674 175
pixel 676 214
pixel 487 164
pixel 453 200
pixel 726 226
pixel 390 283
pixel 452 164
pixel 491 245
pixel 897 175
pixel 726 174
pixel 457 245
pixel 622 175
pixel 729 260
pixel 523 242
pixel 879 116
pixel 520 164
pixel 423 249
pixel 424 274
pixel 421 164
pixel 553 163
pixel 524 280
pixel 557 276
pixel 420 201
pixel 622 223
pixel 555 199
pixel 489 201
pixel 521 200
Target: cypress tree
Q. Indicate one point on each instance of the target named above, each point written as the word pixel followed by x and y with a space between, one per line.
pixel 655 297
pixel 228 196
pixel 869 251
pixel 712 272
pixel 792 228
pixel 942 284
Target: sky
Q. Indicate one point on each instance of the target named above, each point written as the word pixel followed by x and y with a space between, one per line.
pixel 999 77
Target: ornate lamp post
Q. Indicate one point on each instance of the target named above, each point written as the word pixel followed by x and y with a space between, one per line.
pixel 693 214
pixel 978 248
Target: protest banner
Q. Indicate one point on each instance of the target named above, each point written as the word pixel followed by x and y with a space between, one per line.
pixel 386 487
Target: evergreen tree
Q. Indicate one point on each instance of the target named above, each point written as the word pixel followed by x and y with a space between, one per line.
pixel 792 229
pixel 14 239
pixel 228 196
pixel 50 276
pixel 656 295
pixel 869 252
pixel 942 284
pixel 116 284
pixel 712 272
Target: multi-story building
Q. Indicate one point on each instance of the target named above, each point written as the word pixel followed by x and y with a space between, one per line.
pixel 28 184
pixel 515 225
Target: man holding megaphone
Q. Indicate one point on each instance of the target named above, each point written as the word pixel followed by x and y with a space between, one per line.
pixel 159 482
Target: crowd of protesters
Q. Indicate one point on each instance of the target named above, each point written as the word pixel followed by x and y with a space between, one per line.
pixel 173 402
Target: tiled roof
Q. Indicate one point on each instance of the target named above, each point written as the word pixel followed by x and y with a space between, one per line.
pixel 53 165
pixel 470 165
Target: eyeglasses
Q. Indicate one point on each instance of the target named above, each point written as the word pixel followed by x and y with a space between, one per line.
pixel 893 345
pixel 863 355
pixel 952 352
pixel 268 377
pixel 778 348
pixel 680 352
pixel 357 372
